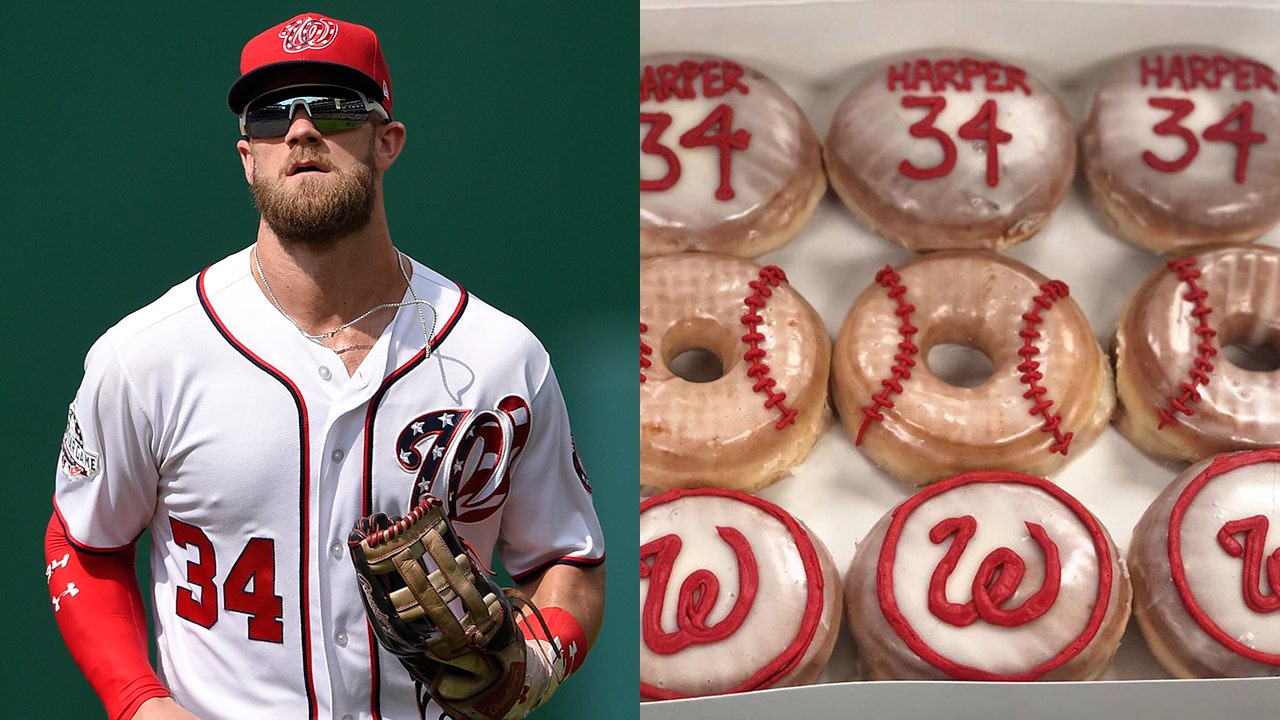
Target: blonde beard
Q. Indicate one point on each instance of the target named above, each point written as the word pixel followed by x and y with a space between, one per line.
pixel 319 209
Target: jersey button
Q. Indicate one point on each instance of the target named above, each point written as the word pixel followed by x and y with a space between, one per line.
pixel 340 638
pixel 338 455
pixel 325 374
pixel 336 549
pixel 347 717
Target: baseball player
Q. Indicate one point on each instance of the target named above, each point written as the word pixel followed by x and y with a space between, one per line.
pixel 254 413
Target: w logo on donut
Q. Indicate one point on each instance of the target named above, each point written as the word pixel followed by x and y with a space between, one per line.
pixel 309 33
pixel 1252 553
pixel 996 581
pixel 464 456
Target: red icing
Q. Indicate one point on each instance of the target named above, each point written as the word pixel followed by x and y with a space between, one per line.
pixel 1205 72
pixel 645 352
pixel 961 74
pixel 1178 109
pixel 1186 270
pixel 1220 465
pixel 904 360
pixel 1254 530
pixel 786 661
pixel 996 581
pixel 698 594
pixel 688 80
pixel 888 557
pixel 981 127
pixel 716 131
pixel 771 276
pixel 658 123
pixel 1030 368
pixel 925 130
pixel 1242 135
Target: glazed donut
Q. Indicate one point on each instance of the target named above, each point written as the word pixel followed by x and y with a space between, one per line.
pixel 1180 397
pixel 1049 394
pixel 987 576
pixel 728 162
pixel 1178 147
pixel 949 149
pixel 766 405
pixel 736 595
pixel 1206 569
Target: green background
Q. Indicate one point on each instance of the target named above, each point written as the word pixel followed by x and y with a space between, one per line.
pixel 122 180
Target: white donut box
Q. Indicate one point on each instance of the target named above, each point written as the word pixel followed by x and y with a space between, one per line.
pixel 811 48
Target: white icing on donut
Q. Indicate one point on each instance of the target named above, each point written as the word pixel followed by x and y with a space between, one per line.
pixel 934 183
pixel 1214 577
pixel 773 605
pixel 1181 156
pixel 1001 512
pixel 758 172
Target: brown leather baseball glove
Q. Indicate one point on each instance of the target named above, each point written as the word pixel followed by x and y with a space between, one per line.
pixel 451 626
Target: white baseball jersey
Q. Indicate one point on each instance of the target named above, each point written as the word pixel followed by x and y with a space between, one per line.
pixel 249 453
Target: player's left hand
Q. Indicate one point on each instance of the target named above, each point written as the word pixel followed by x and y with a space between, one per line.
pixel 451 627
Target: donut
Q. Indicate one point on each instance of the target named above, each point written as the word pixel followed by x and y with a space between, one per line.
pixel 765 403
pixel 1178 147
pixel 1206 568
pixel 736 595
pixel 728 162
pixel 987 576
pixel 949 149
pixel 1181 397
pixel 1048 397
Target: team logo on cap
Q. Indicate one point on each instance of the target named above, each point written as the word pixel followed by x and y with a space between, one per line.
pixel 309 33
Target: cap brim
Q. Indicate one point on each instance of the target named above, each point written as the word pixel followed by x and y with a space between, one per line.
pixel 298 72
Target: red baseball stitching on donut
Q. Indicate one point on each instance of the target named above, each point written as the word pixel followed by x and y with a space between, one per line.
pixel 771 276
pixel 778 667
pixel 1220 465
pixel 645 352
pixel 904 360
pixel 1186 270
pixel 1030 368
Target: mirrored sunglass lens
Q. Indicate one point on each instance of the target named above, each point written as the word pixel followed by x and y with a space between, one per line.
pixel 327 114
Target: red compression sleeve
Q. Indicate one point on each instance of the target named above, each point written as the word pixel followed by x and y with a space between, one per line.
pixel 566 633
pixel 98 605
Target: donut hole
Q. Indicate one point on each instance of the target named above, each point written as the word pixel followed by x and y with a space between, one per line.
pixel 959 365
pixel 697 365
pixel 1250 344
pixel 699 350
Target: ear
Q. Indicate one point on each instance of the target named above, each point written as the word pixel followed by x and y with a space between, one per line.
pixel 388 144
pixel 246 159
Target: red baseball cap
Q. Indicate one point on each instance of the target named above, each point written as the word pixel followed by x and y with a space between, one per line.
pixel 312 49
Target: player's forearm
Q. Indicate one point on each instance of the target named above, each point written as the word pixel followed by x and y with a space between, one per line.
pixel 576 592
pixel 98 607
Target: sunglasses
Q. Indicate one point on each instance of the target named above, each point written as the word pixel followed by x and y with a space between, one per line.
pixel 330 109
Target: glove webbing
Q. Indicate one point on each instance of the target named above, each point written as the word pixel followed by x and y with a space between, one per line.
pixel 430 594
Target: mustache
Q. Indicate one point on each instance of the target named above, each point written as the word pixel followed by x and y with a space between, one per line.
pixel 306 154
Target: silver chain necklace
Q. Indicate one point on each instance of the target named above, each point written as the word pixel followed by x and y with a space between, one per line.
pixel 416 301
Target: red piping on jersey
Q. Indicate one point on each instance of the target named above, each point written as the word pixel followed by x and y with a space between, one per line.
pixel 563 560
pixel 366 497
pixel 304 501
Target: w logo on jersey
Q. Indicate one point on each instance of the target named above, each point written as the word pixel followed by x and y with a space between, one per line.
pixel 309 33
pixel 464 456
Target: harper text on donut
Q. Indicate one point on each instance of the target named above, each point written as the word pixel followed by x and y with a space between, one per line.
pixel 1208 72
pixel 963 74
pixel 685 79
